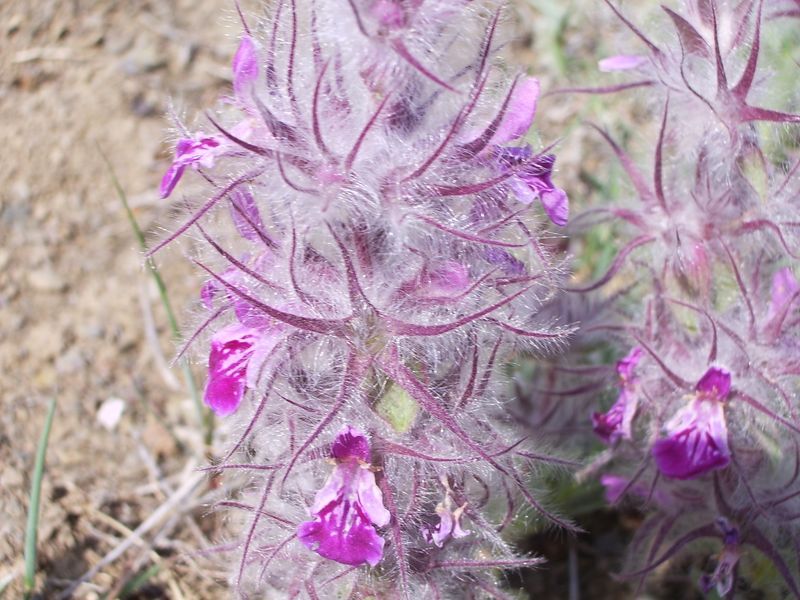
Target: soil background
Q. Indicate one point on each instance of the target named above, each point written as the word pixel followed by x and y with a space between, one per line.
pixel 79 317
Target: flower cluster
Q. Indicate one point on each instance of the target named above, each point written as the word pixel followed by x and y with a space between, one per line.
pixel 703 434
pixel 372 243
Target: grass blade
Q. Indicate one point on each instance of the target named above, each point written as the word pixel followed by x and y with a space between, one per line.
pixel 205 416
pixel 137 582
pixel 29 580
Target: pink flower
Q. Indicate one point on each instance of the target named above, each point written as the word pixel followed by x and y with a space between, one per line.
pixel 722 578
pixel 616 423
pixel 449 525
pixel 520 112
pixel 238 355
pixel 697 435
pixel 616 485
pixel 348 507
pixel 444 280
pixel 200 151
pixel 232 348
pixel 532 180
pixel 621 62
pixel 245 69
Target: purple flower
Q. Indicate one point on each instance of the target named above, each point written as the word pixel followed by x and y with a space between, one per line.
pixel 445 280
pixel 627 364
pixel 348 507
pixel 616 423
pixel 199 151
pixel 531 177
pixel 245 68
pixel 238 354
pixel 531 180
pixel 520 112
pixel 621 62
pixel 202 151
pixel 697 435
pixel 616 485
pixel 722 578
pixel 449 525
pixel 509 264
pixel 231 350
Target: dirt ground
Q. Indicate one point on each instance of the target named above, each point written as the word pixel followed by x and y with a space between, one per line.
pixel 79 318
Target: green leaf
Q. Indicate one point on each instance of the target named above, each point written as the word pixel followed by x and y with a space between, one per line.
pixel 29 580
pixel 398 408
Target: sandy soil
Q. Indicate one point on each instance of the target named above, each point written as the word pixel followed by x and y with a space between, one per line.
pixel 79 318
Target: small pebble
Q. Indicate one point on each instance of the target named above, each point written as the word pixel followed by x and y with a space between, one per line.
pixel 110 413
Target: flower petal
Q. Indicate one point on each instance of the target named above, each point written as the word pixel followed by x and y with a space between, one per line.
pixel 519 113
pixel 617 422
pixel 715 383
pixel 171 179
pixel 243 212
pixel 522 190
pixel 188 152
pixel 697 442
pixel 556 205
pixel 534 173
pixel 449 525
pixel 370 497
pixel 342 532
pixel 626 365
pixel 245 68
pixel 351 443
pixel 621 62
pixel 607 425
pixel 231 349
pixel 616 485
pixel 346 507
